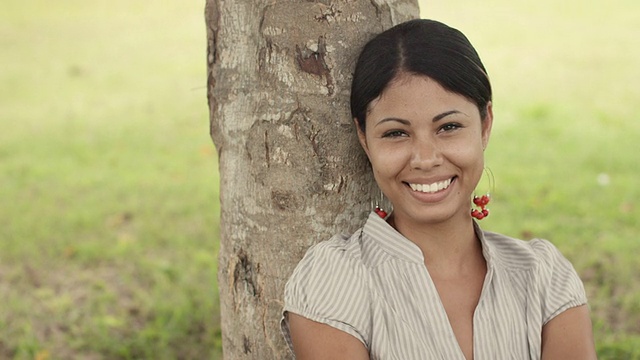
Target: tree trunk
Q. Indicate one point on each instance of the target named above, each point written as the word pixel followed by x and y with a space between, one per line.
pixel 291 170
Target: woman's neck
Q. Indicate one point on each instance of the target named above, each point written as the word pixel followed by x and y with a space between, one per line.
pixel 450 246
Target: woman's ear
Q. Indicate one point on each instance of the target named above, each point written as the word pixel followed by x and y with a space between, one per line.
pixel 361 136
pixel 487 124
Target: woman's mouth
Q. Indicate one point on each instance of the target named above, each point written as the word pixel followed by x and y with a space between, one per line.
pixel 431 188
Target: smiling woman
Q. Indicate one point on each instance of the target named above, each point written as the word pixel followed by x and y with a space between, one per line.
pixel 425 145
pixel 425 281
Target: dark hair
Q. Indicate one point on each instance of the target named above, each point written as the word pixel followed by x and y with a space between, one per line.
pixel 421 47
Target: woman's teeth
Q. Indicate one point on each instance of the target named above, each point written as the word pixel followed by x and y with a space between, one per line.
pixel 431 188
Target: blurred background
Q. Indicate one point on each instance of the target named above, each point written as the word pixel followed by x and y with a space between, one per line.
pixel 109 186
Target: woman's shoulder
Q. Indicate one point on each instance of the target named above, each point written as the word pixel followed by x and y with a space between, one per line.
pixel 329 265
pixel 522 254
pixel 340 252
pixel 550 278
pixel 329 285
pixel 347 245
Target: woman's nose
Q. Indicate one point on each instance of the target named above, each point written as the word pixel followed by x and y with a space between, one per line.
pixel 425 154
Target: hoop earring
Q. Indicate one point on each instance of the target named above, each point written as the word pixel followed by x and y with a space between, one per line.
pixel 483 201
pixel 378 210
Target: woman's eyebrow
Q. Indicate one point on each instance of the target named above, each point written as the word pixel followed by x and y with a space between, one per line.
pixel 445 114
pixel 435 118
pixel 402 121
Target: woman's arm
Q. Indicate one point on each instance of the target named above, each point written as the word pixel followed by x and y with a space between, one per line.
pixel 315 341
pixel 569 336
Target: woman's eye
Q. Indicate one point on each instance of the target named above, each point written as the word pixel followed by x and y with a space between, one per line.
pixel 394 133
pixel 450 127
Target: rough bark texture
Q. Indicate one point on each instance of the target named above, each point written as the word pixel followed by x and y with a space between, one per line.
pixel 291 170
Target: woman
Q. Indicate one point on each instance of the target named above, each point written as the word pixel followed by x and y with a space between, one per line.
pixel 425 282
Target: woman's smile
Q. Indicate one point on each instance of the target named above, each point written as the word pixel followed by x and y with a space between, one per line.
pixel 430 188
pixel 430 193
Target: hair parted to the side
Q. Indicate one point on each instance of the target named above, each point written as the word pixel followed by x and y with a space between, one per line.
pixel 420 47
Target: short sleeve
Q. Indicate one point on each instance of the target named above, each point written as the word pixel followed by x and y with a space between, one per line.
pixel 559 283
pixel 329 286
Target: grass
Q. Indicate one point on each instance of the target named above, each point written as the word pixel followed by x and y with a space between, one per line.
pixel 108 192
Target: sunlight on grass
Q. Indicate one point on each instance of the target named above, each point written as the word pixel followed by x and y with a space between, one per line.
pixel 110 205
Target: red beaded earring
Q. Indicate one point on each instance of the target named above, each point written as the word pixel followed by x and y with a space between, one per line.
pixel 483 201
pixel 378 210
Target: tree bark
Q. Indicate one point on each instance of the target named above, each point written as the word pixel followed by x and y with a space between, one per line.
pixel 291 170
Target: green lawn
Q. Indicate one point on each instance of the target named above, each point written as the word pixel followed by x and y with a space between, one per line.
pixel 108 185
pixel 108 213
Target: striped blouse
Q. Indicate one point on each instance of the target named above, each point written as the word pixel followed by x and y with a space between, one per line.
pixel 374 285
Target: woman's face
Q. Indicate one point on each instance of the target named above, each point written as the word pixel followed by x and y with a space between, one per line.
pixel 426 148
